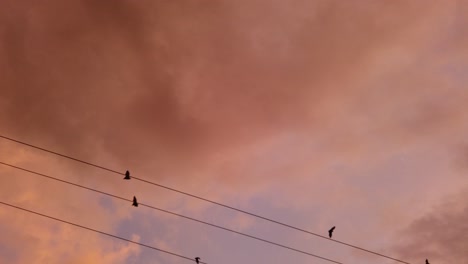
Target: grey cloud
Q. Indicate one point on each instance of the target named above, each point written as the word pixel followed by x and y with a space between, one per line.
pixel 441 235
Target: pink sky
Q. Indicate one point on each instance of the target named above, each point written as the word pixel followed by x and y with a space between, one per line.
pixel 315 113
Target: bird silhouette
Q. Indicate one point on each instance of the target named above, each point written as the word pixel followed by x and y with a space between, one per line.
pixel 427 261
pixel 135 203
pixel 330 232
pixel 127 175
pixel 197 259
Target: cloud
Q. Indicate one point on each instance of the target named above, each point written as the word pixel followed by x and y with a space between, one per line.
pixel 28 238
pixel 441 235
pixel 302 103
pixel 216 85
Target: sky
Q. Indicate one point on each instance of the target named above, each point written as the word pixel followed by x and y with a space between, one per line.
pixel 316 113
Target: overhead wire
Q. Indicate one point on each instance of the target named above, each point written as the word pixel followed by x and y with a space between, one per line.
pixel 207 200
pixel 98 231
pixel 172 213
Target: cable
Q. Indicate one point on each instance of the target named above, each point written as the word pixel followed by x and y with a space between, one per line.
pixel 210 201
pixel 97 231
pixel 172 213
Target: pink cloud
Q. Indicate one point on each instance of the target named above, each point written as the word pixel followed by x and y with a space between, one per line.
pixel 308 105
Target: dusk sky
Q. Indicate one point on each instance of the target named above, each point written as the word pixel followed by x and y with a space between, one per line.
pixel 316 113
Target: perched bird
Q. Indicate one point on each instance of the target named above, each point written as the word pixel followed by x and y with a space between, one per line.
pixel 427 261
pixel 197 259
pixel 135 203
pixel 330 232
pixel 127 175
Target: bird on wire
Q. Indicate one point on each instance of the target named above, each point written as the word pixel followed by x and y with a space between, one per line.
pixel 135 202
pixel 127 175
pixel 330 232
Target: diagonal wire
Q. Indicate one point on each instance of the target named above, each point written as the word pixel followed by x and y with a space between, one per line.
pixel 172 213
pixel 207 200
pixel 97 231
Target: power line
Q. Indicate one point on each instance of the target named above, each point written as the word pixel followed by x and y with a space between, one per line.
pixel 172 213
pixel 209 201
pixel 97 231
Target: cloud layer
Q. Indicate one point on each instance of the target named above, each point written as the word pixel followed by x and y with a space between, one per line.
pixel 440 235
pixel 312 112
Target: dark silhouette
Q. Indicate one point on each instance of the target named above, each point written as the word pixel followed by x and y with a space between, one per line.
pixel 135 203
pixel 197 259
pixel 427 261
pixel 127 175
pixel 330 232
